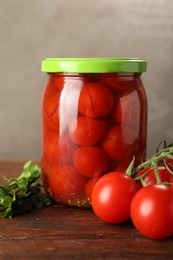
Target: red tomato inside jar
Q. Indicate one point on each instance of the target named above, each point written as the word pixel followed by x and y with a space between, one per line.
pixel 94 121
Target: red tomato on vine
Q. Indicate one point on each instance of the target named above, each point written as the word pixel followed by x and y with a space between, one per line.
pixel 152 211
pixel 112 195
pixel 150 178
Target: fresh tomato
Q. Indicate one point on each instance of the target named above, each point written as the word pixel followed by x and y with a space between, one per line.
pixel 150 178
pixel 89 186
pixel 95 100
pixel 120 142
pixel 169 163
pixel 65 183
pixel 152 211
pixel 112 195
pixel 86 131
pixel 90 161
pixel 117 82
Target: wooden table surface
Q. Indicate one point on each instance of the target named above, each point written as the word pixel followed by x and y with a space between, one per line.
pixel 59 232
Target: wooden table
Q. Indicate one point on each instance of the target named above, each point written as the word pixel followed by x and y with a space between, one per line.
pixel 59 232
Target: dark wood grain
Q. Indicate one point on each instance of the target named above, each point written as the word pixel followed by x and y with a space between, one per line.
pixel 59 232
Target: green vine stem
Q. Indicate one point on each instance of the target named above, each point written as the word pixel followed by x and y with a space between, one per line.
pixel 153 163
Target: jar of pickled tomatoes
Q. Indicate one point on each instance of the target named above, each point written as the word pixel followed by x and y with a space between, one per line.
pixel 94 121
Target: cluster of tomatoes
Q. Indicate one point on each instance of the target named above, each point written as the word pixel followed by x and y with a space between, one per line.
pixel 118 197
pixel 92 125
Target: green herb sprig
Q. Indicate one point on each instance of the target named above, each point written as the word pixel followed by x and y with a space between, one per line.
pixel 22 194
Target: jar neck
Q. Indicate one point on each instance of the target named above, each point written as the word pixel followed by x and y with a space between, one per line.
pixel 125 75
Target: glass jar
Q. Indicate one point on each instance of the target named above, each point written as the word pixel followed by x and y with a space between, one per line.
pixel 94 122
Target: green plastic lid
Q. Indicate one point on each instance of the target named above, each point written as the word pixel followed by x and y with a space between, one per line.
pixel 93 65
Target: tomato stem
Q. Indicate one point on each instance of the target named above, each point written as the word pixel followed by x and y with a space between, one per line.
pixel 164 153
pixel 130 167
pixel 153 163
pixel 155 166
pixel 168 168
pixel 141 177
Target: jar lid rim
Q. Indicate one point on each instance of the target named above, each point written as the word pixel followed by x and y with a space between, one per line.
pixel 93 65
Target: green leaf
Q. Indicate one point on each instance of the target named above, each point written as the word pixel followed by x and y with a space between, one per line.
pixel 7 197
pixel 22 193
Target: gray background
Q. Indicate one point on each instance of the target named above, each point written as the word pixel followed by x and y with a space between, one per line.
pixel 31 30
